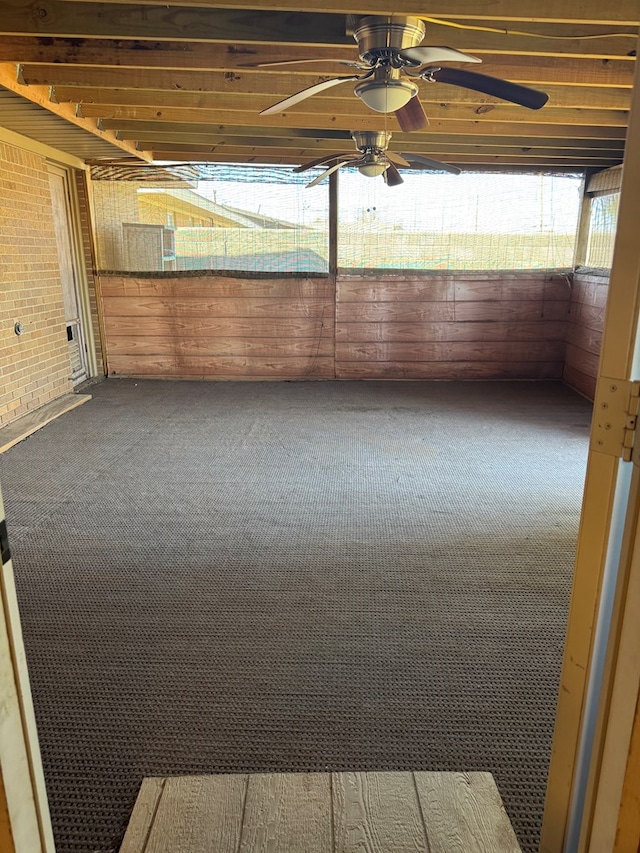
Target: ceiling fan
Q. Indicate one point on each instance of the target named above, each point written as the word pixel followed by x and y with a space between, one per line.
pixel 390 56
pixel 372 159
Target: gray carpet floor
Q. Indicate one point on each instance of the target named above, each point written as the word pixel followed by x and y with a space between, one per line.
pixel 294 577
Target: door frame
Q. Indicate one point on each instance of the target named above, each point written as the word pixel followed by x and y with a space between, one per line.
pixel 69 175
pixel 599 682
pixel 617 725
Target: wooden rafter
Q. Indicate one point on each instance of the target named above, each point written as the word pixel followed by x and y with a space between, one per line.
pixel 139 70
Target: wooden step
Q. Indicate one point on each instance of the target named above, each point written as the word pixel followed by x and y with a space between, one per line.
pixel 402 812
pixel 28 424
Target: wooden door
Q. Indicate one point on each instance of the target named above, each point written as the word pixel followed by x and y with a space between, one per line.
pixel 69 279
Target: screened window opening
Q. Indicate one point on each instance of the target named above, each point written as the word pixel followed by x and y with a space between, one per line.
pixel 209 218
pixel 266 220
pixel 602 230
pixel 472 221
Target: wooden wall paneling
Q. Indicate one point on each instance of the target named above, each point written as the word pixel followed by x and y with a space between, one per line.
pixel 146 345
pixel 449 370
pixel 141 306
pixel 382 289
pixel 219 327
pixel 441 326
pixel 219 286
pixel 208 367
pixel 264 327
pixel 450 351
pixel 512 310
pixel 451 331
pixel 584 332
pixel 451 326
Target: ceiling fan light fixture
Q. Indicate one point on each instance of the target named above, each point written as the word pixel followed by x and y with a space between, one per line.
pixel 372 170
pixel 386 96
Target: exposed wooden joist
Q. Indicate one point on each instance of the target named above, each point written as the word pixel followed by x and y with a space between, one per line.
pixel 613 56
pixel 40 95
pixel 463 159
pixel 256 92
pixel 129 128
pixel 314 112
pixel 400 142
pixel 104 20
pixel 300 154
pixel 539 70
pixel 590 11
pixel 167 23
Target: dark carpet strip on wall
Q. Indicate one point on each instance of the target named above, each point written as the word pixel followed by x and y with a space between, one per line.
pixel 241 577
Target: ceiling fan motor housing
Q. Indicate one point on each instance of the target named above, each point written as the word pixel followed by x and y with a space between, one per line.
pixel 366 140
pixel 381 37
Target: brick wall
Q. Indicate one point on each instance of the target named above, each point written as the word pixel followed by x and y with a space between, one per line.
pixel 34 368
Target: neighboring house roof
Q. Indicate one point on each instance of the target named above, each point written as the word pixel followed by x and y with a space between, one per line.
pixel 192 203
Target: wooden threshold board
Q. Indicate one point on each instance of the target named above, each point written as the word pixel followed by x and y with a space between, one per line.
pixel 28 424
pixel 401 812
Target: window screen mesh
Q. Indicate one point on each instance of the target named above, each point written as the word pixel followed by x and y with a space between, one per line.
pixel 602 230
pixel 249 219
pixel 259 219
pixel 472 221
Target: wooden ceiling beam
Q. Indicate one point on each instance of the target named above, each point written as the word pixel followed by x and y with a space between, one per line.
pixel 128 128
pixel 256 93
pixel 355 116
pixel 401 142
pixel 614 56
pixel 40 95
pixel 541 71
pixel 438 150
pixel 562 11
pixel 462 159
pixel 170 23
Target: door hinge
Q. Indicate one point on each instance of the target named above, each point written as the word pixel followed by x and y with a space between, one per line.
pixel 615 418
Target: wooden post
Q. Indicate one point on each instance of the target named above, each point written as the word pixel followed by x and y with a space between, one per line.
pixel 25 824
pixel 333 224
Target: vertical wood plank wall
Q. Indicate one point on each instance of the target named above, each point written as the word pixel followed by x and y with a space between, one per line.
pixel 440 326
pixel 584 331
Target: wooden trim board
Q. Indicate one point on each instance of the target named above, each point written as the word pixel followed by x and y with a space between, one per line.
pixel 32 422
pixel 398 812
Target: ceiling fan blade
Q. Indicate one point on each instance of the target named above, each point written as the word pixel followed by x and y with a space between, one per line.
pixel 412 116
pixel 321 160
pixel 351 63
pixel 514 92
pixel 306 93
pixel 326 173
pixel 392 176
pixel 398 159
pixel 436 165
pixel 434 55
